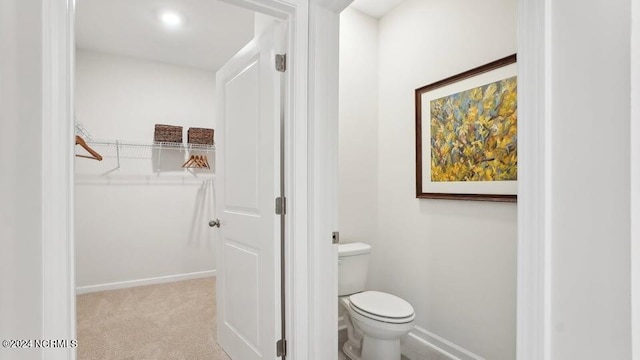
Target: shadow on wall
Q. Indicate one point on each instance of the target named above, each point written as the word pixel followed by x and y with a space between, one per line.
pixel 471 209
pixel 167 161
pixel 164 160
pixel 203 212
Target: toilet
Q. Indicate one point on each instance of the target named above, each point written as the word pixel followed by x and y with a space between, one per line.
pixel 375 320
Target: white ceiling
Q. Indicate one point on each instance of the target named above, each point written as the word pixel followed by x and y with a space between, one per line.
pixel 376 8
pixel 212 33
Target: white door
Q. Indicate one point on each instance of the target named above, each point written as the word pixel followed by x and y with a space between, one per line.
pixel 247 184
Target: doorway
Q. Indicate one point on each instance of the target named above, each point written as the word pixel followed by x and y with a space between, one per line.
pixel 150 249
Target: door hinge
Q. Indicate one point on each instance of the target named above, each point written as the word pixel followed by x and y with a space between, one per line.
pixel 281 348
pixel 335 237
pixel 281 205
pixel 281 62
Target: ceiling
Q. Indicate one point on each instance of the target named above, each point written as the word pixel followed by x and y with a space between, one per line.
pixel 212 32
pixel 376 8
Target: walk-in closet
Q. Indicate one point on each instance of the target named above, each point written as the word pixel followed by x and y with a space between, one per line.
pixel 145 173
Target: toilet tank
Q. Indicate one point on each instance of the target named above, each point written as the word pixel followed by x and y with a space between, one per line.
pixel 353 264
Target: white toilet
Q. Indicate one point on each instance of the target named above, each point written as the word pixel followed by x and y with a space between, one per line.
pixel 375 320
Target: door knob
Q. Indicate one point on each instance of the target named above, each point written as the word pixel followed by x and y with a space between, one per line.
pixel 214 223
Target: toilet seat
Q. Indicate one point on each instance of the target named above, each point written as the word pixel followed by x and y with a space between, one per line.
pixel 382 307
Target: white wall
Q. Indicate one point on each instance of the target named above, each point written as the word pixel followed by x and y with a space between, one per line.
pixel 590 146
pixel 358 128
pixel 454 261
pixel 135 223
pixel 635 178
pixel 20 175
pixel 122 98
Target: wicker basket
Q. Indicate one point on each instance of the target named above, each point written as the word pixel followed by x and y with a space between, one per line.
pixel 168 133
pixel 200 136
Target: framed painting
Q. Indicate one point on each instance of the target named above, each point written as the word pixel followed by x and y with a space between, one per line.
pixel 467 135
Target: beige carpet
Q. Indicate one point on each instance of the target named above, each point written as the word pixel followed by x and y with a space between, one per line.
pixel 173 321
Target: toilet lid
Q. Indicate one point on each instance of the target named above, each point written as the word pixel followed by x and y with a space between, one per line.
pixel 352 249
pixel 381 305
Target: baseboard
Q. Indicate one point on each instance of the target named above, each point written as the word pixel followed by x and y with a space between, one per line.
pixel 141 282
pixel 422 344
pixel 341 323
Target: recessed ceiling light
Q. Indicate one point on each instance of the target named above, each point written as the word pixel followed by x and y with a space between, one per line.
pixel 171 19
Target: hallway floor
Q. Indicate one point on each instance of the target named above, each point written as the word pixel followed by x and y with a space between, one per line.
pixel 156 322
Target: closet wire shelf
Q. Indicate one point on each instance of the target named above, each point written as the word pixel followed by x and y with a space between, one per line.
pixel 142 150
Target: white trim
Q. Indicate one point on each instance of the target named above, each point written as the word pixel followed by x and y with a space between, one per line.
pixel 534 185
pixel 635 179
pixel 296 184
pixel 58 293
pixel 421 344
pixel 143 282
pixel 323 146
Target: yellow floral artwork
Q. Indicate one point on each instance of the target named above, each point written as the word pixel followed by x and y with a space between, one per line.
pixel 474 134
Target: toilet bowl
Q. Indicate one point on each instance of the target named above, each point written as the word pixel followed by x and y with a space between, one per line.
pixel 375 320
pixel 375 324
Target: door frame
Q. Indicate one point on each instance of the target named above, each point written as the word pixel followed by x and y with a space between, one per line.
pixel 312 48
pixel 635 180
pixel 534 181
pixel 311 139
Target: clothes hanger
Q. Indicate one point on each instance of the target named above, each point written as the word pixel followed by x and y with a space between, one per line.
pixel 201 162
pixel 95 155
pixel 193 162
pixel 198 162
pixel 189 162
